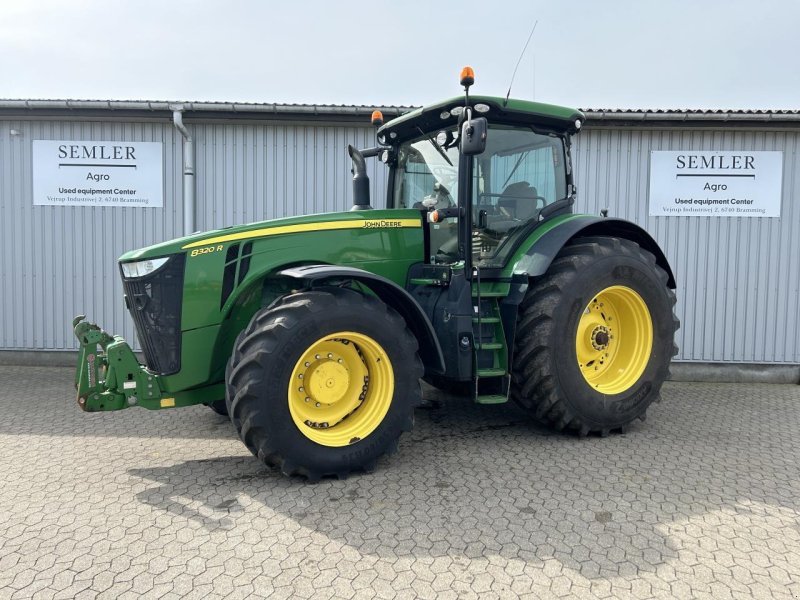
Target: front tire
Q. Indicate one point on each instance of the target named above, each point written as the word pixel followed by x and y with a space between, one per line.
pixel 594 337
pixel 324 382
pixel 219 406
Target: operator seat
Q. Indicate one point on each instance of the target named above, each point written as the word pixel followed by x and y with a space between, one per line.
pixel 519 200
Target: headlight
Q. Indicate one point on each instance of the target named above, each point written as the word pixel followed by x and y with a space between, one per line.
pixel 143 267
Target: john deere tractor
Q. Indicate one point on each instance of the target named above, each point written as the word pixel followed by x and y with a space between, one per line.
pixel 313 332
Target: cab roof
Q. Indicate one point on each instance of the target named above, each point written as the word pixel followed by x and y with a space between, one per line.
pixel 514 112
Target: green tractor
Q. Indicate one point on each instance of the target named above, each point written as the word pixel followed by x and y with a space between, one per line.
pixel 313 332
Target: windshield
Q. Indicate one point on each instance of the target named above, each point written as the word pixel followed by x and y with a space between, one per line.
pixel 427 173
pixel 519 173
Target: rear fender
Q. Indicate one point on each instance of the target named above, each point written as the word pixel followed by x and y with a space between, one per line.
pixel 392 294
pixel 536 261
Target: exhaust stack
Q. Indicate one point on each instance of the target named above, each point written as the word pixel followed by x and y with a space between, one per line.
pixel 360 180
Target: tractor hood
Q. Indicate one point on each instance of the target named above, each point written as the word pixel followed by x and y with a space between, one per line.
pixel 364 219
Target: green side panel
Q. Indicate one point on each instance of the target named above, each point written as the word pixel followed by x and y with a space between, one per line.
pixel 200 361
pixel 179 244
pixel 385 251
pixel 202 395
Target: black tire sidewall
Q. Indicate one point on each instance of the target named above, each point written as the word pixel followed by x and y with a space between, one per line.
pixel 597 410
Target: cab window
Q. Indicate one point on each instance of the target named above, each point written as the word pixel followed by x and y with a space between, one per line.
pixel 519 174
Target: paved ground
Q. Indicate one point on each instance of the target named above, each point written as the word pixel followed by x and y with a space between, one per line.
pixel 699 501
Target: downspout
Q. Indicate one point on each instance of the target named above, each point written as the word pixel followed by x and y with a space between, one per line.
pixel 188 171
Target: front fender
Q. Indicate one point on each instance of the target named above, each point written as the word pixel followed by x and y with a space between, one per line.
pixel 388 291
pixel 535 261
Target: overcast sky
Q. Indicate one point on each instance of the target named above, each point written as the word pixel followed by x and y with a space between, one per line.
pixel 631 53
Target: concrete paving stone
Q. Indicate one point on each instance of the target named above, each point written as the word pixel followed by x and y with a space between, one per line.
pixel 701 500
pixel 158 592
pixel 73 590
pixel 30 590
pixel 340 589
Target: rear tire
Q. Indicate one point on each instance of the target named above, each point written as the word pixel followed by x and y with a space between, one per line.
pixel 306 356
pixel 594 337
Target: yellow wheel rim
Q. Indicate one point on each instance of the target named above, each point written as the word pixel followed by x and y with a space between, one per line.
pixel 341 388
pixel 614 340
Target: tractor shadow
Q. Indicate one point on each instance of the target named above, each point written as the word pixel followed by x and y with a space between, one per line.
pixel 474 481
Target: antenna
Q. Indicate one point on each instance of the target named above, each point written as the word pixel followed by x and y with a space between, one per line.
pixel 519 61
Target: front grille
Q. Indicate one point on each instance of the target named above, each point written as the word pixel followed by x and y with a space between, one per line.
pixel 154 302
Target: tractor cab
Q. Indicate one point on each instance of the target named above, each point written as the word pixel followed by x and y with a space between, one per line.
pixel 486 172
pixel 518 175
pixel 482 202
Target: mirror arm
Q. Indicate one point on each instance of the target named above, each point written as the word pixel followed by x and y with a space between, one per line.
pixel 370 152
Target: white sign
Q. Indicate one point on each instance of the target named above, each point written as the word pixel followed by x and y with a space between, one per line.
pixel 719 184
pixel 76 173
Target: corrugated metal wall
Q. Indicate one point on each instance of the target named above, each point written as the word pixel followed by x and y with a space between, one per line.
pixel 59 261
pixel 738 278
pixel 56 262
pixel 254 172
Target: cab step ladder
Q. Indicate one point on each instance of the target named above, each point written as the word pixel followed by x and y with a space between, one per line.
pixel 492 379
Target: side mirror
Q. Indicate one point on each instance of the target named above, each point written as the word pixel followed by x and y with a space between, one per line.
pixel 473 136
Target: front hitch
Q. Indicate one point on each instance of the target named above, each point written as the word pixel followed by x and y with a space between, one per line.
pixel 108 376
